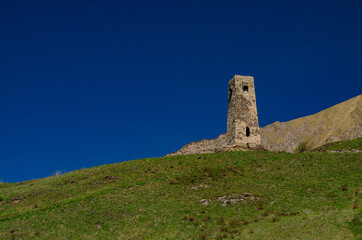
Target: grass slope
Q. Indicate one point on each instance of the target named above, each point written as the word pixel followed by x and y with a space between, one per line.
pixel 355 144
pixel 284 196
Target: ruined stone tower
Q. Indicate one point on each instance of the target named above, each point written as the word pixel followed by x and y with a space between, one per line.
pixel 242 121
pixel 242 124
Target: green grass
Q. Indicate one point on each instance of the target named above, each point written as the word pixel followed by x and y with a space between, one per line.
pixel 290 196
pixel 355 144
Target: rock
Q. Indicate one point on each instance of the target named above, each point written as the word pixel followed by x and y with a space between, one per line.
pixel 204 202
pixel 236 198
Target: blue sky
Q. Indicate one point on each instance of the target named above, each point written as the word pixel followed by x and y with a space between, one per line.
pixel 86 83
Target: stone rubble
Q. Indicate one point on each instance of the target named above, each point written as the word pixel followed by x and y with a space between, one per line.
pixel 232 199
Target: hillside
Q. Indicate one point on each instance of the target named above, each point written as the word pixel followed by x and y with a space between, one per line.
pixel 354 145
pixel 226 195
pixel 338 123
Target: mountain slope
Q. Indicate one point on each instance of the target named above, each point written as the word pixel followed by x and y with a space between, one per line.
pixel 354 145
pixel 338 123
pixel 240 195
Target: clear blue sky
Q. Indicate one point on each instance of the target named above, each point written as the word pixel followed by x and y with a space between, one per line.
pixel 86 83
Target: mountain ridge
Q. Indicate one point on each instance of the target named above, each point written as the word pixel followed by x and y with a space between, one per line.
pixel 340 122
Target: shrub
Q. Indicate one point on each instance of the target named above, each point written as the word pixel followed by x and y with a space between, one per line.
pixel 223 229
pixel 302 147
pixel 58 173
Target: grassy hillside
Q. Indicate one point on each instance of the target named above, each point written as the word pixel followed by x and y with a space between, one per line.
pixel 228 195
pixel 355 144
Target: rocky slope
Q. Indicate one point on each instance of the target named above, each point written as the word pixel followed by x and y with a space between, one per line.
pixel 203 146
pixel 338 123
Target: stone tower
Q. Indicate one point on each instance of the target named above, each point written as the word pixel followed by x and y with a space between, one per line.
pixel 242 122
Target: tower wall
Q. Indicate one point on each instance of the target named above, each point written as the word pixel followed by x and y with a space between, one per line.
pixel 242 120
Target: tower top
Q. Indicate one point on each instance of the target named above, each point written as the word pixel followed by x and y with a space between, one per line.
pixel 241 78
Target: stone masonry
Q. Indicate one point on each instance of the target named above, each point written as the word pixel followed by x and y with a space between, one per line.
pixel 242 122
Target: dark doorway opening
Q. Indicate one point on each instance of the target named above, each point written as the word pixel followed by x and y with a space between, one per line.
pixel 230 94
pixel 245 89
pixel 247 131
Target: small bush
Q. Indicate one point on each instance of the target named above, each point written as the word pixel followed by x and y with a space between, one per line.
pixel 302 147
pixel 58 173
pixel 344 188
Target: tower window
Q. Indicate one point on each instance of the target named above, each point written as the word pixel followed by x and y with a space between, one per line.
pixel 245 89
pixel 230 94
pixel 247 131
